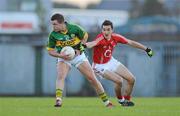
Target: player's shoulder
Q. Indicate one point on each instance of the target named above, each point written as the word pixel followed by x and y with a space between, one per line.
pixel 70 24
pixel 116 35
pixel 119 38
pixel 73 25
pixel 99 35
pixel 51 33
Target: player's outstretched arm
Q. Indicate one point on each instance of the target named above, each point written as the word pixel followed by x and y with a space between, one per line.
pixel 90 44
pixel 140 46
pixel 93 43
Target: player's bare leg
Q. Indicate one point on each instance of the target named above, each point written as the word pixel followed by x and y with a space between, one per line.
pixel 128 76
pixel 118 93
pixel 117 83
pixel 85 69
pixel 62 71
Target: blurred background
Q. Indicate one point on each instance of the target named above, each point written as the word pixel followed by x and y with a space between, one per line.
pixel 26 69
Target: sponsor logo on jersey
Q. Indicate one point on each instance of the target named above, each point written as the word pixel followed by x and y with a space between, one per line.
pixel 107 53
pixel 71 42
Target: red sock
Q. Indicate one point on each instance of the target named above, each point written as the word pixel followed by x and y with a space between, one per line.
pixel 127 97
pixel 120 97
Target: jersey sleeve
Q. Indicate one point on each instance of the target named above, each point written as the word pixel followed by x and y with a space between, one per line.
pixel 120 39
pixel 80 32
pixel 51 43
pixel 99 35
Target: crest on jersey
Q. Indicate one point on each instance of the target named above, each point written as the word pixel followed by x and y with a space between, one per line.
pixel 66 37
pixel 73 35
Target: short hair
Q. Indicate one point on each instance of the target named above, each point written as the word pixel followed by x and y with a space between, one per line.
pixel 107 23
pixel 58 17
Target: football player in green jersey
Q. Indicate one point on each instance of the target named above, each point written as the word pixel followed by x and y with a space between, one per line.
pixel 67 34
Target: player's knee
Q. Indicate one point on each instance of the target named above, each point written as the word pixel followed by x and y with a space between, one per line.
pixel 119 82
pixel 131 81
pixel 61 77
pixel 92 79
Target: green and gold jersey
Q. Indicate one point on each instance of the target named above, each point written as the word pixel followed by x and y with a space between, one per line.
pixel 72 37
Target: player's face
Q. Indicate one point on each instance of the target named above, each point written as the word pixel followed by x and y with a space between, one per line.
pixel 58 26
pixel 107 31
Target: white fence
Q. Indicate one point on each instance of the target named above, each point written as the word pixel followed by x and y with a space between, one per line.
pixel 156 76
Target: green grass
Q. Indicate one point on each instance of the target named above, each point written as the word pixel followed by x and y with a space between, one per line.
pixel 83 106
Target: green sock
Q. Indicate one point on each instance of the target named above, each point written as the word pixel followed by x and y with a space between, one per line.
pixel 59 93
pixel 104 97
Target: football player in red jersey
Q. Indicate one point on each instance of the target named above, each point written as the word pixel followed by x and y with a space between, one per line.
pixel 108 67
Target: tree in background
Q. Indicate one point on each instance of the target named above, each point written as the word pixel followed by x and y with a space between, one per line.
pixel 135 9
pixel 43 10
pixel 153 7
pixel 176 9
pixel 64 5
pixel 92 6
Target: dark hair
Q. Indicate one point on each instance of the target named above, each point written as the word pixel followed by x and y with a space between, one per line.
pixel 58 17
pixel 107 23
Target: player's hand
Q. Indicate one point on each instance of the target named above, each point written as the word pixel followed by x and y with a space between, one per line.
pixel 149 52
pixel 65 57
pixel 84 45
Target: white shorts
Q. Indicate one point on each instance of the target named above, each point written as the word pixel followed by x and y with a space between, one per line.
pixel 75 61
pixel 112 65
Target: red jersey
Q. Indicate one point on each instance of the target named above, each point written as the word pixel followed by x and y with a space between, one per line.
pixel 102 52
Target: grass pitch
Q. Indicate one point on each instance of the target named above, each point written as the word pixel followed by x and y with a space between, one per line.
pixel 84 106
